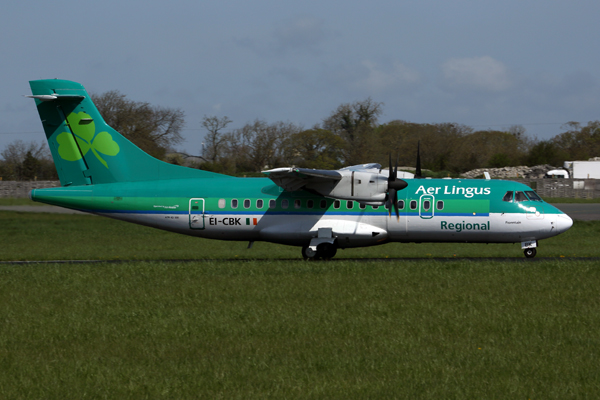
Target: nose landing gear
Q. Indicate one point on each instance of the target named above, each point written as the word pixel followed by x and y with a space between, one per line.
pixel 530 253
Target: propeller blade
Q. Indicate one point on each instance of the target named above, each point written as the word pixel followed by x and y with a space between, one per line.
pixel 418 169
pixel 396 205
pixel 394 184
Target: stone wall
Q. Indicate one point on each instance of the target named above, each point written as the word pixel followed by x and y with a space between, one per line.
pixel 564 188
pixel 21 189
pixel 522 171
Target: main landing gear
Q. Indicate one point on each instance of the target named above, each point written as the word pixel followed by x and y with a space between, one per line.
pixel 530 253
pixel 324 251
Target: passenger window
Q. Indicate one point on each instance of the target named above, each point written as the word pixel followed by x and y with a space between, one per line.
pixel 350 204
pixel 413 204
pixel 310 204
pixel 426 205
pixel 375 207
pixel 222 203
pixel 247 203
pixel 362 206
pixel 400 204
pixel 440 205
pixel 285 203
pixel 297 203
pixel 323 204
pixel 234 203
pixel 259 204
pixel 520 196
pixel 272 203
pixel 336 204
pixel 508 196
pixel 533 195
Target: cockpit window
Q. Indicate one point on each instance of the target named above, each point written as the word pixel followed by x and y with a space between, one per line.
pixel 520 196
pixel 533 195
pixel 508 196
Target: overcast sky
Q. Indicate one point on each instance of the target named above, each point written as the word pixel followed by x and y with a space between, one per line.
pixel 486 64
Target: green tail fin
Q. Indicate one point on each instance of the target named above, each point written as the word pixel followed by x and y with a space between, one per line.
pixel 85 149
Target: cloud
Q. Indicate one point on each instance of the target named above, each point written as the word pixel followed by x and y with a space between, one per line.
pixel 377 79
pixel 300 34
pixel 476 73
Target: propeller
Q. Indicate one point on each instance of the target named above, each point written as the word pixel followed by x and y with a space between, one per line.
pixel 418 174
pixel 394 184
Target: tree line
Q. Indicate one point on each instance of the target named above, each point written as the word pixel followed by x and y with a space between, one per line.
pixel 350 135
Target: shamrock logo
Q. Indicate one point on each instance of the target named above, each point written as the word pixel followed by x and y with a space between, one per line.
pixel 84 129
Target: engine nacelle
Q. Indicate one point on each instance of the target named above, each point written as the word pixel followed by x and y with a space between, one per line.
pixel 362 186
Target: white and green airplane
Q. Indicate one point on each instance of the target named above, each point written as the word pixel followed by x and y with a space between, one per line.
pixel 103 173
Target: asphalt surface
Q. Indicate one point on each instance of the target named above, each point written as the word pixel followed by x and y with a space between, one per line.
pixel 577 211
pixel 581 211
pixel 41 209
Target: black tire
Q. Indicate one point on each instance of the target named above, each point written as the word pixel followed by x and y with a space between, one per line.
pixel 326 250
pixel 308 254
pixel 530 253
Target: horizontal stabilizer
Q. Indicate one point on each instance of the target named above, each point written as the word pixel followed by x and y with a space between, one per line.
pixel 52 97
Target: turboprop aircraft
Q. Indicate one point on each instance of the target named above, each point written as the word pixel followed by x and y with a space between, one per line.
pixel 103 173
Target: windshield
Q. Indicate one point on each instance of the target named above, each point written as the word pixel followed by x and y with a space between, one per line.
pixel 533 195
pixel 520 196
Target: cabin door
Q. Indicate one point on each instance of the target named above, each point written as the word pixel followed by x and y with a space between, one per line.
pixel 426 206
pixel 197 214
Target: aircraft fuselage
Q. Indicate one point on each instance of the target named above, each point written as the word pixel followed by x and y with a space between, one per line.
pixel 431 210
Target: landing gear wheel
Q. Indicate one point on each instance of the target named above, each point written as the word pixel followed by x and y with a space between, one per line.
pixel 308 253
pixel 530 253
pixel 326 250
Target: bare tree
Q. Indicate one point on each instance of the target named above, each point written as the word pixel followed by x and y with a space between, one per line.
pixel 259 145
pixel 27 160
pixel 214 139
pixel 154 129
pixel 355 123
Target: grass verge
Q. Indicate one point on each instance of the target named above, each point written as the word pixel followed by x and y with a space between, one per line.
pixel 10 201
pixel 281 329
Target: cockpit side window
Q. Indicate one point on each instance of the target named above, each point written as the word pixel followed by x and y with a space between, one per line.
pixel 533 195
pixel 520 196
pixel 508 196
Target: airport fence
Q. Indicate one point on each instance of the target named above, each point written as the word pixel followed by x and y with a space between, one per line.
pixel 565 188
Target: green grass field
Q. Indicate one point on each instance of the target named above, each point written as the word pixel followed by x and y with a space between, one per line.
pixel 11 201
pixel 274 326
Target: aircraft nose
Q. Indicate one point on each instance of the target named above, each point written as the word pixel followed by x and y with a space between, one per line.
pixel 563 222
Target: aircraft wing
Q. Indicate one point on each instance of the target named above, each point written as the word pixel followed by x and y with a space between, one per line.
pixel 292 179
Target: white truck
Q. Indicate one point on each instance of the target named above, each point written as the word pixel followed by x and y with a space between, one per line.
pixel 583 169
pixel 557 174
